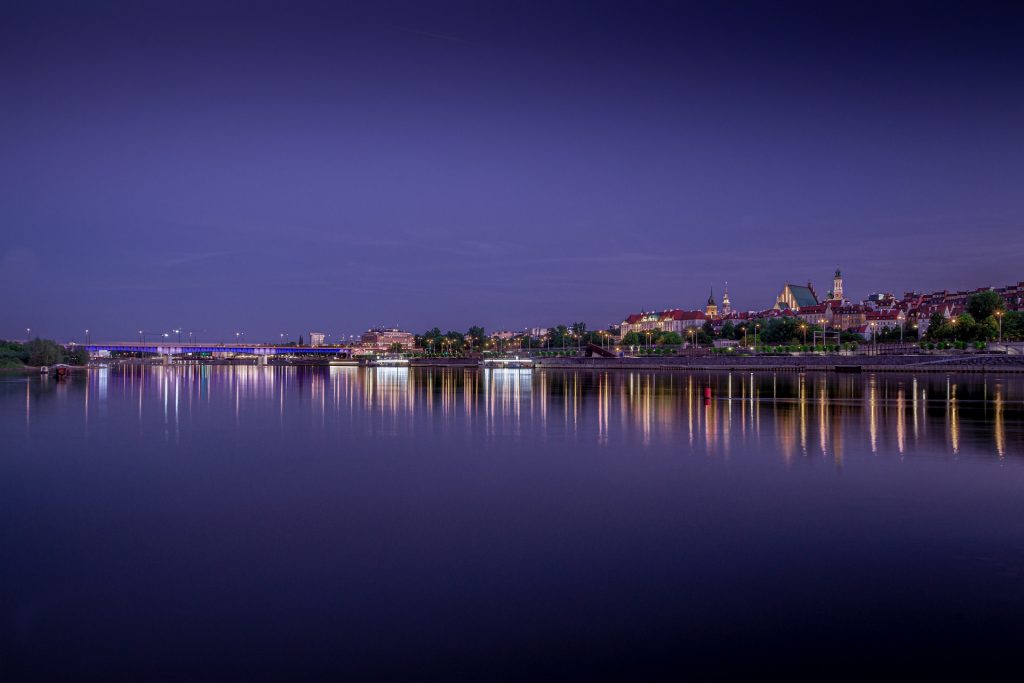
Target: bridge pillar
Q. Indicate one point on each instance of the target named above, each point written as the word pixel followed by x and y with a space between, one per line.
pixel 166 359
pixel 262 360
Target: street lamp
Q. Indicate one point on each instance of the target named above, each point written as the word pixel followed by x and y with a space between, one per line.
pixel 804 328
pixel 140 336
pixel 87 335
pixel 999 317
pixel 756 328
pixel 178 332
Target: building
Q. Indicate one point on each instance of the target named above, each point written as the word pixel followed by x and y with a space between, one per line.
pixel 795 297
pixel 819 314
pixel 726 305
pixel 674 320
pixel 712 309
pixel 847 317
pixel 316 338
pixel 880 300
pixel 888 319
pixel 382 339
pixel 837 287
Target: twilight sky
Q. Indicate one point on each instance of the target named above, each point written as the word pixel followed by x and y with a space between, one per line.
pixel 293 166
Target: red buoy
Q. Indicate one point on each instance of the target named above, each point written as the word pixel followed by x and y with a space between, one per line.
pixel 707 392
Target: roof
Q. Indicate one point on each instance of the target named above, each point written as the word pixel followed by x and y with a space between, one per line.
pixel 671 314
pixel 803 295
pixel 882 315
pixel 683 315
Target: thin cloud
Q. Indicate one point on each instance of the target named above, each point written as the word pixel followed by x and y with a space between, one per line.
pixel 439 36
pixel 186 259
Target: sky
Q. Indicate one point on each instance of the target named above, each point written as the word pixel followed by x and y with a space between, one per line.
pixel 276 168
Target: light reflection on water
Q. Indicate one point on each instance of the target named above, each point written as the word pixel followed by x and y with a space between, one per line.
pixel 796 415
pixel 323 523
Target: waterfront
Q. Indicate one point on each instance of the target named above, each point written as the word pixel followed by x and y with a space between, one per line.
pixel 214 522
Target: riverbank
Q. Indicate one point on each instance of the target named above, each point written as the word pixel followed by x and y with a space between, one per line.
pixel 925 363
pixel 964 363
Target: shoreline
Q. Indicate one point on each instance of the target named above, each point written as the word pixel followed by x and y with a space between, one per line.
pixel 971 364
pixel 968 364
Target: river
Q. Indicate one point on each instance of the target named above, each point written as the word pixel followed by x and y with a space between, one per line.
pixel 225 523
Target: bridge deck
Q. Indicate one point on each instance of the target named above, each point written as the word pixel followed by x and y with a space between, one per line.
pixel 174 348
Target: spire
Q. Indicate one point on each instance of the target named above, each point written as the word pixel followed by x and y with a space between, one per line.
pixel 711 296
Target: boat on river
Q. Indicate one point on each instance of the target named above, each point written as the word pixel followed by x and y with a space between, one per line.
pixel 512 363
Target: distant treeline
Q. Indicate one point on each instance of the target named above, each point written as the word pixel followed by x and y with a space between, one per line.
pixel 39 352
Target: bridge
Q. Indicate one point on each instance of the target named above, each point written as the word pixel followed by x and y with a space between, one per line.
pixel 262 351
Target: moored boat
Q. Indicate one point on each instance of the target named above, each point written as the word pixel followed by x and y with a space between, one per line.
pixel 513 363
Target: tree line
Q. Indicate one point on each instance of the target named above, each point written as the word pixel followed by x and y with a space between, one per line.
pixel 38 352
pixel 980 321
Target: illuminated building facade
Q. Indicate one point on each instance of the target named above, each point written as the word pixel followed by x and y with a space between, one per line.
pixel 382 339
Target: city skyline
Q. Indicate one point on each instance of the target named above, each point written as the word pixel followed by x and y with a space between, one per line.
pixel 225 168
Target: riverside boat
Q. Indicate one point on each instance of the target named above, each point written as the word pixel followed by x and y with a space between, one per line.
pixel 514 363
pixel 390 362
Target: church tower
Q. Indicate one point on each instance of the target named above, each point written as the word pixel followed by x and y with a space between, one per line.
pixel 726 305
pixel 712 310
pixel 837 286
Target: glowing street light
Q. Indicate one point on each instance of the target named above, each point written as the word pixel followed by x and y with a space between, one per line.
pixel 999 317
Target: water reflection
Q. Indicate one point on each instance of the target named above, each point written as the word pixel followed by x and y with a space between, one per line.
pixel 797 415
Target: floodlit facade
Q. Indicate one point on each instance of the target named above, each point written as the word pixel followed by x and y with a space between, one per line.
pixel 674 320
pixel 795 297
pixel 382 339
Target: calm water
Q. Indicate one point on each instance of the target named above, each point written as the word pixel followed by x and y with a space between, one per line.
pixel 217 523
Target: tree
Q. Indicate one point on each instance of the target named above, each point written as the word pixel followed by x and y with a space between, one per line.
pixel 12 354
pixel 669 339
pixel 396 348
pixel 635 339
pixel 579 329
pixel 78 356
pixel 44 352
pixel 728 330
pixel 780 331
pixel 557 335
pixel 1013 325
pixel 984 304
pixel 478 335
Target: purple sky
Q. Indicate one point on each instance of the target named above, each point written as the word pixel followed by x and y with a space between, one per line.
pixel 297 166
